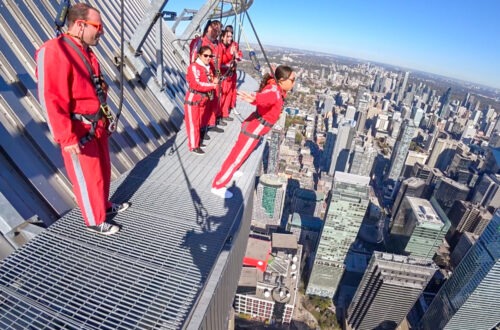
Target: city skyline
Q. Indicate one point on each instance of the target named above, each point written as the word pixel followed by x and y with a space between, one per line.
pixel 435 37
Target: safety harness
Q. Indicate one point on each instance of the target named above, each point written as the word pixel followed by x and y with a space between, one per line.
pixel 261 120
pixel 103 111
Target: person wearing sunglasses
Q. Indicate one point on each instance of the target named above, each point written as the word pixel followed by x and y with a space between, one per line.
pixel 202 85
pixel 68 96
pixel 269 102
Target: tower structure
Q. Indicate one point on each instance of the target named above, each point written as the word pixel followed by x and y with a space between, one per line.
pixel 270 197
pixel 418 228
pixel 400 151
pixel 389 288
pixel 470 298
pixel 445 104
pixel 341 150
pixel 347 208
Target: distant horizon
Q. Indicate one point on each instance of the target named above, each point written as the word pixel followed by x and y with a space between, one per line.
pixel 387 64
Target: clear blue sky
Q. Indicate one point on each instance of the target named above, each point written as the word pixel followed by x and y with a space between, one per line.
pixel 454 38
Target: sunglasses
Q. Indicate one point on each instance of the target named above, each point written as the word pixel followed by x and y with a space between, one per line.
pixel 98 26
pixel 206 55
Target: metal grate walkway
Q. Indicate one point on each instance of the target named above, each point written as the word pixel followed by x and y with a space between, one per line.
pixel 151 274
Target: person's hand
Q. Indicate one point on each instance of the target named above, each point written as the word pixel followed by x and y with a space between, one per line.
pixel 233 50
pixel 216 80
pixel 249 97
pixel 73 149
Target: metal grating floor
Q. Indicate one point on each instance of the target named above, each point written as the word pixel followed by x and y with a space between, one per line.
pixel 150 275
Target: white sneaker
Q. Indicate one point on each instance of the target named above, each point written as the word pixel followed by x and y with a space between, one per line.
pixel 238 174
pixel 222 192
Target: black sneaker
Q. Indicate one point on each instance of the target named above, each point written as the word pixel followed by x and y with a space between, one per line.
pixel 206 137
pixel 202 145
pixel 198 151
pixel 228 118
pixel 117 208
pixel 104 228
pixel 217 129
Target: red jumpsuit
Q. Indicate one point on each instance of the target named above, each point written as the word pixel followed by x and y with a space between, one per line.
pixel 64 87
pixel 209 116
pixel 228 85
pixel 199 79
pixel 269 103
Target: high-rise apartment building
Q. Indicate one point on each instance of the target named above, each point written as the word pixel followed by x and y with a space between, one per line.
pixel 411 187
pixel 347 208
pixel 362 157
pixel 470 298
pixel 418 228
pixel 448 191
pixel 400 151
pixel 442 153
pixel 341 150
pixel 270 198
pixel 402 87
pixel 444 109
pixel 487 192
pixel 389 288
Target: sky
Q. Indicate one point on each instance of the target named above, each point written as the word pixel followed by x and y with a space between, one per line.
pixel 454 38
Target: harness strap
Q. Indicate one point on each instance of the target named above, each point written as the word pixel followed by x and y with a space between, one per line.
pixel 198 92
pixel 86 119
pixel 247 133
pixel 262 120
pixel 192 103
pixel 103 108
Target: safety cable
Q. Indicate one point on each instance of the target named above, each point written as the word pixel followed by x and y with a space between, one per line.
pixel 271 72
pixel 122 37
pixel 242 32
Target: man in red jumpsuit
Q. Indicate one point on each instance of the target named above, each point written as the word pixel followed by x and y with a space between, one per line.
pixel 269 102
pixel 69 98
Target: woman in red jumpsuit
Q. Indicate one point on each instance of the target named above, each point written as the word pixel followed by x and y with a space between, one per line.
pixel 269 103
pixel 230 54
pixel 202 86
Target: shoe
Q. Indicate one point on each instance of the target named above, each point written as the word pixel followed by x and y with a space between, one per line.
pixel 117 208
pixel 202 145
pixel 228 118
pixel 206 137
pixel 238 174
pixel 217 129
pixel 222 192
pixel 198 151
pixel 104 228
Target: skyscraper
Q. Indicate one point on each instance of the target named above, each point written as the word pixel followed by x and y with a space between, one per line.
pixel 442 153
pixel 445 104
pixel 362 157
pixel 402 87
pixel 400 151
pixel 348 205
pixel 418 228
pixel 389 288
pixel 470 299
pixel 270 197
pixel 341 150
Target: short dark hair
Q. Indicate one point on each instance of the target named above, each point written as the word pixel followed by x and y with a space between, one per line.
pixel 79 11
pixel 229 28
